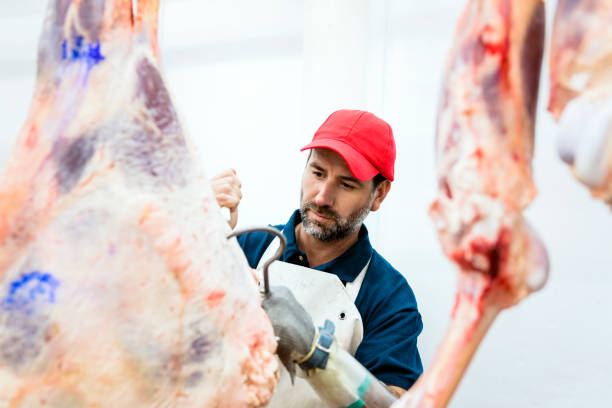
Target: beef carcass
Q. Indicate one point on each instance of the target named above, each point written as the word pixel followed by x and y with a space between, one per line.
pixel 484 146
pixel 581 90
pixel 118 285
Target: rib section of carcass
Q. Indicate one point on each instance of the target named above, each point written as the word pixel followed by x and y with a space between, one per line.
pixel 581 90
pixel 118 287
pixel 484 146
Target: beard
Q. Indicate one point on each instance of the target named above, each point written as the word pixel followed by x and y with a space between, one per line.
pixel 338 227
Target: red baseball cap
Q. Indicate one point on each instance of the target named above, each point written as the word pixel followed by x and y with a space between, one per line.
pixel 364 141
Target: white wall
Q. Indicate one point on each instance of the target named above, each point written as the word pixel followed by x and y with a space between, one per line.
pixel 236 70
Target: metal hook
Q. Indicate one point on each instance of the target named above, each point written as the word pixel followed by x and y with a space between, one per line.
pixel 277 255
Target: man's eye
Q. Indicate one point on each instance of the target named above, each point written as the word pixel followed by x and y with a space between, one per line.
pixel 348 186
pixel 317 173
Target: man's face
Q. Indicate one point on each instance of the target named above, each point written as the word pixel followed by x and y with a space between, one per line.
pixel 333 203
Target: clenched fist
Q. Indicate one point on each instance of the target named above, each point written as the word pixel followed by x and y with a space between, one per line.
pixel 226 187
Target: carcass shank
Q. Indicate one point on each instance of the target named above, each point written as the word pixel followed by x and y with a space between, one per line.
pixel 484 146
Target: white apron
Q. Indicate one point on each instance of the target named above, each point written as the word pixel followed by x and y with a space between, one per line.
pixel 323 296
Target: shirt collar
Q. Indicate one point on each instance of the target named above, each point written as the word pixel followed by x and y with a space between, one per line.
pixel 346 266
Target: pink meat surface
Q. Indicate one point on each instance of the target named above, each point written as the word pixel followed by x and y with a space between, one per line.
pixel 581 90
pixel 484 146
pixel 484 141
pixel 118 287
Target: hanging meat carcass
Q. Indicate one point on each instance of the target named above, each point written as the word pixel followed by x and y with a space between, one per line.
pixel 118 287
pixel 581 90
pixel 484 146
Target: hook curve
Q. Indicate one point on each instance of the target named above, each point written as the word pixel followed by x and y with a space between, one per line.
pixel 276 256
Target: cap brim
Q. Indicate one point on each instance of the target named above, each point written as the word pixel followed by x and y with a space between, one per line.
pixel 359 166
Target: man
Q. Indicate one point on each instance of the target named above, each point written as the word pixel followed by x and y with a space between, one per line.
pixel 348 173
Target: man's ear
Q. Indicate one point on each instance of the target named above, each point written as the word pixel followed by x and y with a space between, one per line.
pixel 379 195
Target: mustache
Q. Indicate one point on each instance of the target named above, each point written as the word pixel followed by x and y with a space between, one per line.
pixel 324 211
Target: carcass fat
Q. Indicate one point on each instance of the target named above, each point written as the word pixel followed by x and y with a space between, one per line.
pixel 581 90
pixel 118 287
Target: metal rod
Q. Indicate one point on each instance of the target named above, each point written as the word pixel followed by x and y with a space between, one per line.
pixel 277 255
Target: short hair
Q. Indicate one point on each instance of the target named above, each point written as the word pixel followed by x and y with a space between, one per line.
pixel 379 178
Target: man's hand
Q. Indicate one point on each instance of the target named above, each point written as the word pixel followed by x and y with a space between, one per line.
pixel 226 187
pixel 395 390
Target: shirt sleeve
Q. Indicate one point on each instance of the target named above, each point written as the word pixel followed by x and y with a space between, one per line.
pixel 389 346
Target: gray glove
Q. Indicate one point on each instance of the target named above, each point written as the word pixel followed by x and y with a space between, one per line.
pixel 292 325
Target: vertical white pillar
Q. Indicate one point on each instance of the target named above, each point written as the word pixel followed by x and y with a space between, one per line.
pixel 335 58
pixel 344 63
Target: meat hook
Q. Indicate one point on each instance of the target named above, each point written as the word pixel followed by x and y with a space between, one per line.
pixel 277 255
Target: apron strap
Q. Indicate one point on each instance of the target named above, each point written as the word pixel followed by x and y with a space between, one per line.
pixel 269 252
pixel 352 288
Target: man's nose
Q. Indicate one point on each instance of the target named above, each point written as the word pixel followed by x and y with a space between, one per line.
pixel 325 196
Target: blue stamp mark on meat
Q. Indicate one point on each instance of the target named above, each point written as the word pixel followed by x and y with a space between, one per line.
pixel 30 289
pixel 79 50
